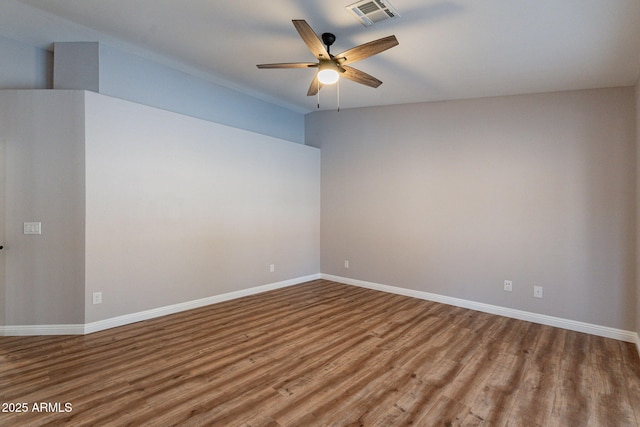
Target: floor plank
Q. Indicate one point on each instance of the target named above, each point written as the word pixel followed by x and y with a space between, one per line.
pixel 323 353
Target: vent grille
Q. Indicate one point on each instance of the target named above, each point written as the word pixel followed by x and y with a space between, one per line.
pixel 369 12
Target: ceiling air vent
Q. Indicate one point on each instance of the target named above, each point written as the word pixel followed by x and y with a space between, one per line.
pixel 369 12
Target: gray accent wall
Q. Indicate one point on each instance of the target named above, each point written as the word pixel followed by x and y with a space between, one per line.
pixel 23 66
pixel 133 78
pixel 453 198
pixel 124 75
pixel 637 109
pixel 43 133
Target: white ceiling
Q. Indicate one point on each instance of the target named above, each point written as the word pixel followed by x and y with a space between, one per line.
pixel 449 49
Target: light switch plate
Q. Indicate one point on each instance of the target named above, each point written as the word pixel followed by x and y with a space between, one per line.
pixel 32 228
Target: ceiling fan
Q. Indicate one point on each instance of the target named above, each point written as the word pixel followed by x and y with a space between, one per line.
pixel 330 67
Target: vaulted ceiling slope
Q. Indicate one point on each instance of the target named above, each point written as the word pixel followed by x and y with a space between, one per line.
pixel 449 49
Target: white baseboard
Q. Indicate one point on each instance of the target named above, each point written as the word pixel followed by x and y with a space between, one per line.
pixel 189 305
pixel 602 331
pixel 80 329
pixel 27 330
pixel 87 328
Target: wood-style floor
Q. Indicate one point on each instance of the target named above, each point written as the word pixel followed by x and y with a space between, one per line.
pixel 323 353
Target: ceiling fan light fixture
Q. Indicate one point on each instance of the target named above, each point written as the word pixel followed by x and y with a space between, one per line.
pixel 328 76
pixel 328 73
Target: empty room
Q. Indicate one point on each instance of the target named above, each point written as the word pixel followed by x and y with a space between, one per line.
pixel 306 213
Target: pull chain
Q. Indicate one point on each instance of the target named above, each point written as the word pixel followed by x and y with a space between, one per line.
pixel 338 90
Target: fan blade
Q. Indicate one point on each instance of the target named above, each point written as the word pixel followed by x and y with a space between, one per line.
pixel 289 65
pixel 311 39
pixel 314 87
pixel 366 50
pixel 361 77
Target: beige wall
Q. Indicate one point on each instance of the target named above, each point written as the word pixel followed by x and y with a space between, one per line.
pixel 455 197
pixel 180 209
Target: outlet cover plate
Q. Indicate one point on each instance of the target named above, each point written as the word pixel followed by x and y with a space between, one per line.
pixel 97 297
pixel 537 291
pixel 508 285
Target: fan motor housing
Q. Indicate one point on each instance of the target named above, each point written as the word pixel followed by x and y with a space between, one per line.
pixel 328 39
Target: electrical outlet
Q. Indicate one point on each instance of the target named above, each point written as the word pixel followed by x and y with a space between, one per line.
pixel 346 263
pixel 97 297
pixel 508 285
pixel 537 291
pixel 272 268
